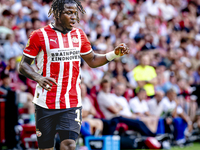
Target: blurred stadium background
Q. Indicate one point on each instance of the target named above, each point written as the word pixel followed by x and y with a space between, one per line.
pixel 147 99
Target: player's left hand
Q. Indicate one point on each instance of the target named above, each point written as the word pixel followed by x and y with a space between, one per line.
pixel 122 49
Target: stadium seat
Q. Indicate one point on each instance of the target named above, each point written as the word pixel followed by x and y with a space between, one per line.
pixel 28 136
pixel 129 94
pixel 23 111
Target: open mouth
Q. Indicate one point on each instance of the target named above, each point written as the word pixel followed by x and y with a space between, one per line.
pixel 72 24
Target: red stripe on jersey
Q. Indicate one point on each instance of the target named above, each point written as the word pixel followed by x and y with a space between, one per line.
pixel 44 73
pixel 64 85
pixel 54 67
pixel 65 41
pixel 73 97
pixel 53 38
pixel 74 38
pixel 51 95
pixel 47 28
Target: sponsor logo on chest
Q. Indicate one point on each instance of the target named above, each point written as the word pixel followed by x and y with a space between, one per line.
pixel 66 55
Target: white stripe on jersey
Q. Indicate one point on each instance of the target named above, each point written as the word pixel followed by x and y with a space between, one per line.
pixel 86 52
pixel 78 79
pixel 60 76
pixel 48 57
pixel 70 73
pixel 40 61
pixel 28 55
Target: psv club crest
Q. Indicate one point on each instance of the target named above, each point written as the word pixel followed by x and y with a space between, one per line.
pixel 74 39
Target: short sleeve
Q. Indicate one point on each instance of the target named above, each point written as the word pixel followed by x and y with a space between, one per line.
pixel 85 46
pixel 33 46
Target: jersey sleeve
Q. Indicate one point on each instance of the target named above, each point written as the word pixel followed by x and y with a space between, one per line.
pixel 85 46
pixel 33 45
pixel 153 74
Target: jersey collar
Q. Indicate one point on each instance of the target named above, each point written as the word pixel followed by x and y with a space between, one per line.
pixel 56 29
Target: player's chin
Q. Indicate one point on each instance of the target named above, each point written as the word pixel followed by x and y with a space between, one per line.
pixel 70 27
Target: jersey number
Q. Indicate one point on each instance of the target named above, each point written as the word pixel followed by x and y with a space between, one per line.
pixel 78 119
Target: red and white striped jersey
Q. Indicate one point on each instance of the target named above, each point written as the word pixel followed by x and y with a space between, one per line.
pixel 57 55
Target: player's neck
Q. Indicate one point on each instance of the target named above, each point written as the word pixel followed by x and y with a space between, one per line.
pixel 60 28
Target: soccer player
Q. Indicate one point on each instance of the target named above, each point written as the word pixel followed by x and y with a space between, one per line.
pixel 57 49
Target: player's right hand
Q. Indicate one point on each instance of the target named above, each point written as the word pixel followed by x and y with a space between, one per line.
pixel 46 82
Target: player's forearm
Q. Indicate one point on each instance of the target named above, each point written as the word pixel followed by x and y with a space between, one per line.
pixel 28 71
pixel 97 60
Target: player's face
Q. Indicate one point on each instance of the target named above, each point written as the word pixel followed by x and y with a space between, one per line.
pixel 69 16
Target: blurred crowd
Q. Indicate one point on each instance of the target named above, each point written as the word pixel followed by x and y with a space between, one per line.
pixel 159 77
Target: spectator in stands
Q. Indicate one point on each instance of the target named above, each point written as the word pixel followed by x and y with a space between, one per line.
pixel 21 18
pixel 86 75
pixel 6 80
pixel 88 113
pixel 2 66
pixel 172 27
pixel 11 111
pixel 156 108
pixel 184 95
pixel 111 111
pixel 161 75
pixel 171 84
pixel 195 61
pixel 154 105
pixel 171 106
pixel 196 76
pixel 148 45
pixel 121 100
pixel 192 113
pixel 37 5
pixel 140 108
pixel 145 75
pixel 186 100
pixel 23 4
pixel 167 10
pixel 16 82
pixel 36 23
pixel 198 118
pixel 11 47
pixel 106 102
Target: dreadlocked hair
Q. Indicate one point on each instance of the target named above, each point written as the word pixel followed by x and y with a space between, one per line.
pixel 58 6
